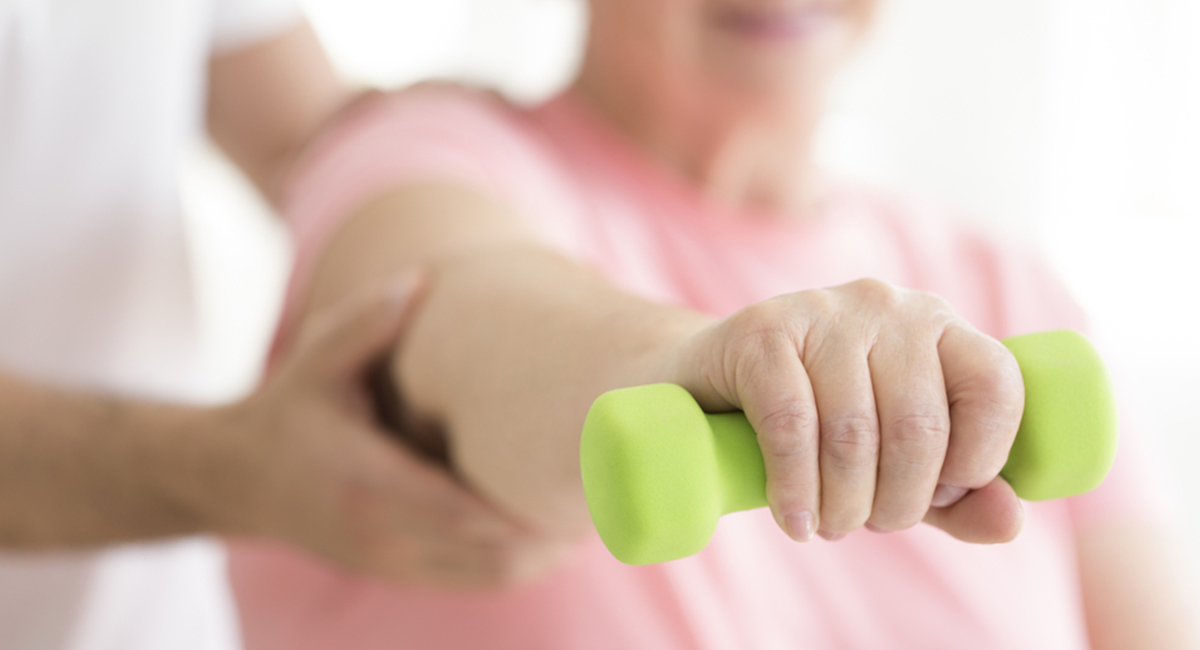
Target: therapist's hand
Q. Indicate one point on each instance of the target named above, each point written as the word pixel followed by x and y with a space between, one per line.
pixel 874 406
pixel 307 463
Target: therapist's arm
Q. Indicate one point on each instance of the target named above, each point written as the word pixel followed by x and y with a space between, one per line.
pixel 268 100
pixel 79 468
pixel 301 460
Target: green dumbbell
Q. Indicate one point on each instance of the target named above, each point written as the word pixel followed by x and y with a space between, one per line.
pixel 659 472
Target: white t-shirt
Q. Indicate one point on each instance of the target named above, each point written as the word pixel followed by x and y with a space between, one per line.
pixel 98 99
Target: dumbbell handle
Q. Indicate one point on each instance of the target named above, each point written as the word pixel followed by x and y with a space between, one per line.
pixel 743 478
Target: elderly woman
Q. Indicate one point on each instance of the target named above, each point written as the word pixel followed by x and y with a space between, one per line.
pixel 662 221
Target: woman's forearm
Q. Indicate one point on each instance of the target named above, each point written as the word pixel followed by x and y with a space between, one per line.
pixel 510 350
pixel 511 344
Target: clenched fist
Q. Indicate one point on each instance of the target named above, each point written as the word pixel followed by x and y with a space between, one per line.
pixel 875 406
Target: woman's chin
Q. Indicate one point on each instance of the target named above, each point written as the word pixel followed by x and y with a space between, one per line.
pixel 780 70
pixel 771 86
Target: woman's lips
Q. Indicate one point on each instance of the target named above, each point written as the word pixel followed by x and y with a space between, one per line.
pixel 779 24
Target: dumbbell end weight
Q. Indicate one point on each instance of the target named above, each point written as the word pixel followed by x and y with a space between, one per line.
pixel 641 447
pixel 658 472
pixel 1068 436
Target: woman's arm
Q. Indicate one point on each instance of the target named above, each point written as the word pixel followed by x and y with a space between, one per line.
pixel 866 397
pixel 512 343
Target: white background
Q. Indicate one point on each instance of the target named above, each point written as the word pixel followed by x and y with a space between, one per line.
pixel 1075 123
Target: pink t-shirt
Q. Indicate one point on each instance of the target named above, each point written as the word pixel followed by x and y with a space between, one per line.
pixel 593 196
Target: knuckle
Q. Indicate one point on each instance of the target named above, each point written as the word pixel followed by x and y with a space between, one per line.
pixel 818 300
pixel 873 291
pixel 932 312
pixel 753 347
pixel 929 301
pixel 761 323
pixel 850 441
pixel 919 437
pixel 992 402
pixel 783 429
pixel 1004 384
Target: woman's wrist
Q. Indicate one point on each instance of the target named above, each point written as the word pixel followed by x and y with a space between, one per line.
pixel 673 353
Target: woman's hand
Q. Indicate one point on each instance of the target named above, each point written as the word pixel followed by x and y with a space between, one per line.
pixel 874 406
pixel 305 462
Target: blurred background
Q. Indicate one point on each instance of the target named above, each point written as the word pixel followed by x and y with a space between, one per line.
pixel 1074 124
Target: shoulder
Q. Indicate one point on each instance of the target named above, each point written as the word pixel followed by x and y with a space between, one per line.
pixel 421 119
pixel 432 131
pixel 449 107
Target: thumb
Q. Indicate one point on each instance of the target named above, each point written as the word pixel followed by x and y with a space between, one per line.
pixel 990 515
pixel 342 338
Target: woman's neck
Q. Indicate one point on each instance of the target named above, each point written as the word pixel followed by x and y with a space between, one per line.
pixel 738 158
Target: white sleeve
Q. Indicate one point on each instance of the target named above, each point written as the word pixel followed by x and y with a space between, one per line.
pixel 238 23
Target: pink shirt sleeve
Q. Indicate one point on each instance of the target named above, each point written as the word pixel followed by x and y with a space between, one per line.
pixel 428 133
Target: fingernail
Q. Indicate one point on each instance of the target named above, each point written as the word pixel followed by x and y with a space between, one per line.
pixel 801 525
pixel 876 529
pixel 831 537
pixel 947 495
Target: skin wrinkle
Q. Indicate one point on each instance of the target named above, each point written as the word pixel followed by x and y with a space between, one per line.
pixel 855 439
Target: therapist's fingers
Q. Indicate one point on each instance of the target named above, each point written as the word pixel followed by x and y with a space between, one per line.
pixel 325 475
pixel 468 565
pixel 417 523
pixel 405 518
pixel 341 341
pixel 420 497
